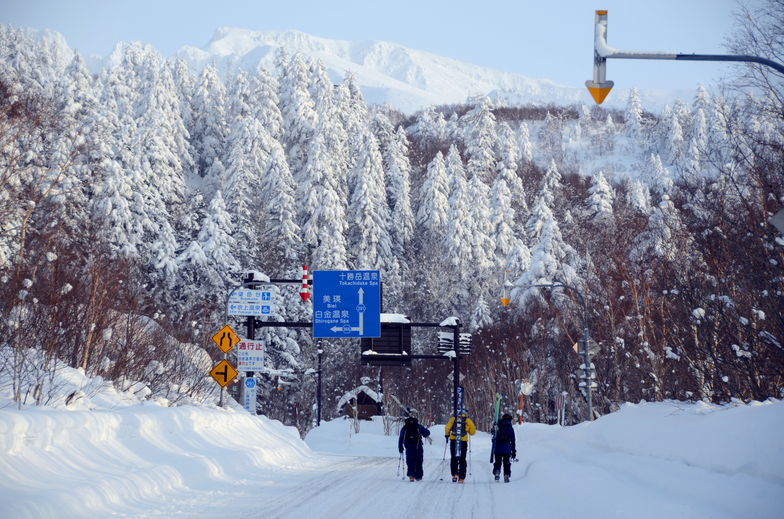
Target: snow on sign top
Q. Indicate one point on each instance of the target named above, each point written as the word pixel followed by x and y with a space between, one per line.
pixel 449 321
pixel 394 318
pixel 605 51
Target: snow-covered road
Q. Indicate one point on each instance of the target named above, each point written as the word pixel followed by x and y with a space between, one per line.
pixel 647 461
pixel 362 487
pixel 349 487
pixel 549 481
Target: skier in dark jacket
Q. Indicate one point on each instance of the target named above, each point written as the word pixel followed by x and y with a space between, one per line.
pixel 504 447
pixel 411 436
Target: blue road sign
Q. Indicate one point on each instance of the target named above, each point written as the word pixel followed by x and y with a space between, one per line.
pixel 346 303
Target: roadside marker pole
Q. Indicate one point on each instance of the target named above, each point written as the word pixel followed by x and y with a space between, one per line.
pixel 303 292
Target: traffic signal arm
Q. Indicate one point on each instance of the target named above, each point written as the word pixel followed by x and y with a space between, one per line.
pixel 599 87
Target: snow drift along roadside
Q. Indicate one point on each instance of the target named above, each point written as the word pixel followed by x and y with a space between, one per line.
pixel 58 463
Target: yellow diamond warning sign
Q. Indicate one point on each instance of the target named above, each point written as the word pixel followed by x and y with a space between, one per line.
pixel 224 373
pixel 226 339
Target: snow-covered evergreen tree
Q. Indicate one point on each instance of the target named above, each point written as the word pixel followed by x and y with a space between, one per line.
pixel 458 240
pixel 666 236
pixel 425 130
pixel 501 217
pixel 481 317
pixel 518 261
pixel 524 147
pixel 481 231
pixel 656 177
pixel 299 114
pixel 75 95
pixel 265 103
pixel 638 196
pixel 540 215
pixel 281 235
pixel 600 203
pixel 368 214
pixel 399 194
pixel 210 127
pixel 551 186
pixel 434 200
pixel 551 260
pixel 675 142
pixel 322 211
pixel 551 139
pixel 633 115
pixel 480 137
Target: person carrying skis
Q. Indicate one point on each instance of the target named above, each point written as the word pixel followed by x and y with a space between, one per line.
pixel 459 463
pixel 411 435
pixel 504 447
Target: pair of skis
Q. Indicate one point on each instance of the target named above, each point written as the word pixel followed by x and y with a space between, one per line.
pixel 408 414
pixel 459 424
pixel 495 426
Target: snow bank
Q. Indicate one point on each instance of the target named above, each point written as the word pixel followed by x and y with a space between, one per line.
pixel 109 452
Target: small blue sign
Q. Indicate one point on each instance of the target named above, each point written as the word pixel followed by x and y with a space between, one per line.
pixel 250 383
pixel 346 303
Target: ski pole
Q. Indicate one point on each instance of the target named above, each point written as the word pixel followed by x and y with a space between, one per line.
pixel 469 455
pixel 443 460
pixel 398 464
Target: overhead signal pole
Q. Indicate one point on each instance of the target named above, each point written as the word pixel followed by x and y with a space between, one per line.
pixel 599 87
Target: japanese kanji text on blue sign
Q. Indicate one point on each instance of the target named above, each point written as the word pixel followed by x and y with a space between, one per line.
pixel 346 303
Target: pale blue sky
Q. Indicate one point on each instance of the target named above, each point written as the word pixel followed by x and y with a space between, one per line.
pixel 539 39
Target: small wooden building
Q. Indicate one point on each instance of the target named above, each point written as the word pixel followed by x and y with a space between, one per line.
pixel 368 403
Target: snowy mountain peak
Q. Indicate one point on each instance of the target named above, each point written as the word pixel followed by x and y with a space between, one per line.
pixel 406 78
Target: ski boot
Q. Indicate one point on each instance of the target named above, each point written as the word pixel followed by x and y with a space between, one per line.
pixel 460 480
pixel 497 478
pixel 411 478
pixel 506 479
pixel 454 478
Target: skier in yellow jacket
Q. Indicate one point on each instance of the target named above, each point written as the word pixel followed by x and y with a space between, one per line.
pixel 459 463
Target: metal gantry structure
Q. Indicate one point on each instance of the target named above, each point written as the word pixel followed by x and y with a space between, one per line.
pixel 252 324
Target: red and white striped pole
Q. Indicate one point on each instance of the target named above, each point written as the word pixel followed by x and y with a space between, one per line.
pixel 303 292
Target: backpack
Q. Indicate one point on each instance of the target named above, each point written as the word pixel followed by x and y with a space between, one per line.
pixel 412 431
pixel 502 433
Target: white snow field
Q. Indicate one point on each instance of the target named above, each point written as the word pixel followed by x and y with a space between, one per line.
pixel 111 455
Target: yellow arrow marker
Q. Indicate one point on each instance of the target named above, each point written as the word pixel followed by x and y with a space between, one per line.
pixel 599 91
pixel 224 373
pixel 226 339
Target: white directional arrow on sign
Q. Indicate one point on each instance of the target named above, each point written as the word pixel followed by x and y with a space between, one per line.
pixel 361 310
